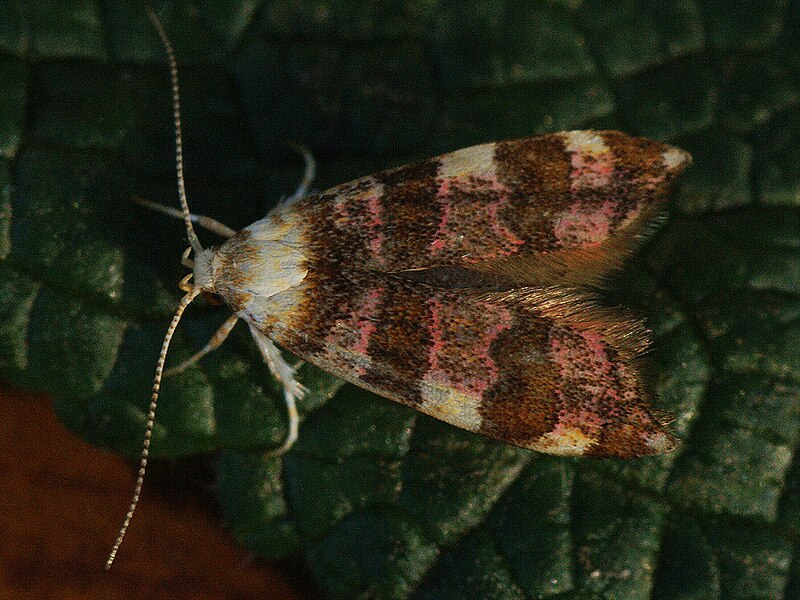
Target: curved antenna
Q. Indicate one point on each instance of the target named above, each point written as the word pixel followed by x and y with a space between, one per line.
pixel 151 418
pixel 176 116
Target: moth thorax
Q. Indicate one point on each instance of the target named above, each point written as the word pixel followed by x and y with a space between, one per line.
pixel 254 262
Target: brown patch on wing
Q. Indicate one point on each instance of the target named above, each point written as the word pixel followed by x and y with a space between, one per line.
pixel 640 180
pixel 399 346
pixel 537 171
pixel 371 330
pixel 409 213
pixel 570 381
pixel 519 408
pixel 332 250
pixel 637 159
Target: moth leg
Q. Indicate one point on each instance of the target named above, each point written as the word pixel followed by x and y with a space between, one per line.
pixel 308 174
pixel 200 220
pixel 292 389
pixel 220 335
pixel 185 260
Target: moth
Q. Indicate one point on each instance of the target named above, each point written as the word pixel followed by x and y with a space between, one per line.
pixel 458 286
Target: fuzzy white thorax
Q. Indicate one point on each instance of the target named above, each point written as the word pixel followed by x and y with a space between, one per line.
pixel 258 263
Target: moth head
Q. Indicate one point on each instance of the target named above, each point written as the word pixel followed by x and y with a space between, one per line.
pixel 202 271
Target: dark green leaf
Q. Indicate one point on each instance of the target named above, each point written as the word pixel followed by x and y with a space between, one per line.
pixel 384 502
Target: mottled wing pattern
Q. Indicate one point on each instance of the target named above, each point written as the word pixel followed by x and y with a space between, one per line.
pixel 537 367
pixel 543 210
pixel 454 286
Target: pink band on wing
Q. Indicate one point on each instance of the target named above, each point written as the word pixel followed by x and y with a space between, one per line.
pixel 585 373
pixel 477 370
pixel 591 170
pixel 463 206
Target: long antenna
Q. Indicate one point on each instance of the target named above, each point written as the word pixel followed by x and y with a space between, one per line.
pixel 176 116
pixel 185 301
pixel 151 418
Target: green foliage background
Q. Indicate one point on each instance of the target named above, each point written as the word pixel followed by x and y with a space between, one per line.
pixel 384 502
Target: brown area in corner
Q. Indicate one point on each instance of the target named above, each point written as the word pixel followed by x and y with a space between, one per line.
pixel 61 502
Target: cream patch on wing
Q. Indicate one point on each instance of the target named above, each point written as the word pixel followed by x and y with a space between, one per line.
pixel 565 441
pixel 477 161
pixel 451 405
pixel 584 142
pixel 675 158
pixel 279 269
pixel 265 268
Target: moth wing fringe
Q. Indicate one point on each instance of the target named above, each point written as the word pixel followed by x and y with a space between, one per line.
pixel 575 306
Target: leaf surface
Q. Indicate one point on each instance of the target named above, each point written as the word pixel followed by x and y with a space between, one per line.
pixel 382 501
